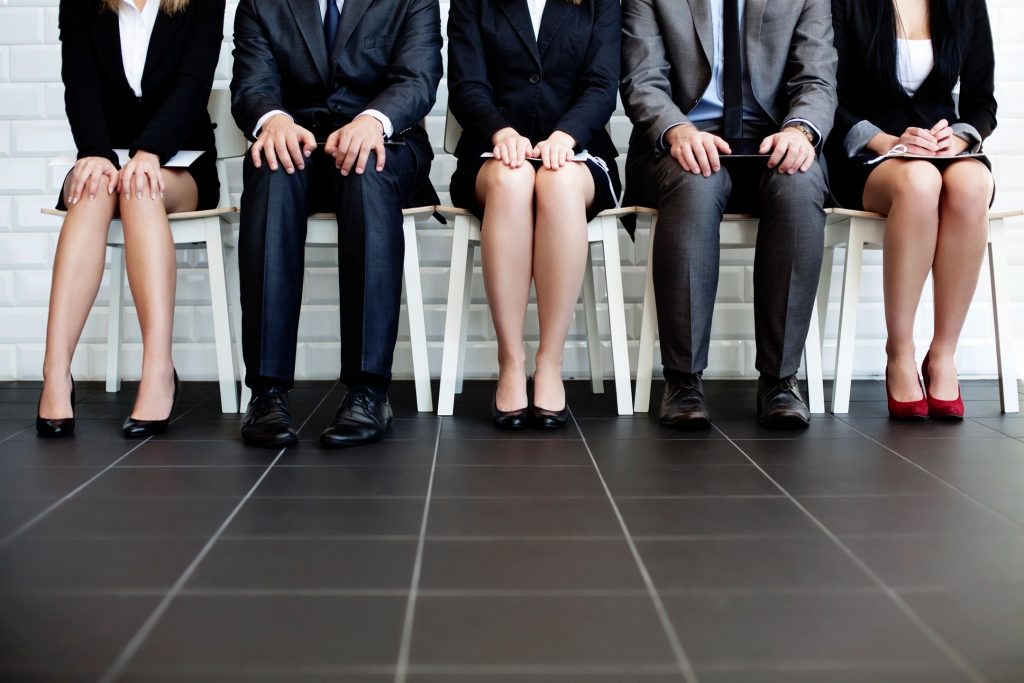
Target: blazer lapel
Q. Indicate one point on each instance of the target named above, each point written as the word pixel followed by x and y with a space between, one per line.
pixel 351 14
pixel 108 43
pixel 311 26
pixel 701 12
pixel 555 14
pixel 753 18
pixel 163 30
pixel 519 16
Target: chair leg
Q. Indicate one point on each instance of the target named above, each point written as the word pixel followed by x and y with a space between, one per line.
pixel 467 304
pixel 846 341
pixel 812 365
pixel 648 332
pixel 1005 353
pixel 593 334
pixel 617 315
pixel 824 291
pixel 417 322
pixel 458 305
pixel 221 318
pixel 115 319
pixel 235 310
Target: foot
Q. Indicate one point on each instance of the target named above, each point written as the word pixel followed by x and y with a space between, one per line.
pixel 55 400
pixel 268 422
pixel 510 394
pixel 780 404
pixel 943 383
pixel 683 405
pixel 155 399
pixel 548 389
pixel 363 418
pixel 903 381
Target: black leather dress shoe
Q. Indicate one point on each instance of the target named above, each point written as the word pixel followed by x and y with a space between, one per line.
pixel 56 429
pixel 139 429
pixel 780 404
pixel 549 419
pixel 268 422
pixel 683 405
pixel 509 420
pixel 363 418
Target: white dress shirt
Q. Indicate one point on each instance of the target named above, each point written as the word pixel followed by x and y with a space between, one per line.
pixel 536 14
pixel 136 28
pixel 389 129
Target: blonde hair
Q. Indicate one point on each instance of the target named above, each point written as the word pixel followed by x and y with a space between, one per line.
pixel 166 6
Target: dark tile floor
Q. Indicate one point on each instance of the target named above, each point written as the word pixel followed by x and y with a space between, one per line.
pixel 615 551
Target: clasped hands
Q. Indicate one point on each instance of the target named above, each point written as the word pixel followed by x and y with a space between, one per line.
pixel 512 149
pixel 937 141
pixel 700 153
pixel 285 144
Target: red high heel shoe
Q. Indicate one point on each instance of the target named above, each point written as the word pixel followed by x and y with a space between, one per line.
pixel 910 411
pixel 950 411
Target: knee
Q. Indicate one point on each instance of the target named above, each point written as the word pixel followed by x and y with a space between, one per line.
pixel 517 183
pixel 918 184
pixel 806 188
pixel 967 192
pixel 561 187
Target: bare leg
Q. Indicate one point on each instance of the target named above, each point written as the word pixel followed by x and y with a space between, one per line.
pixel 150 260
pixel 908 193
pixel 559 258
pixel 963 235
pixel 77 273
pixel 506 247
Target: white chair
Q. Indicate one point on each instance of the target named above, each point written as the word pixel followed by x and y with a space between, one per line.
pixel 737 232
pixel 860 230
pixel 603 230
pixel 191 230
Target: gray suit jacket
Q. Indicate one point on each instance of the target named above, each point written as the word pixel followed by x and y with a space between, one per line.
pixel 667 48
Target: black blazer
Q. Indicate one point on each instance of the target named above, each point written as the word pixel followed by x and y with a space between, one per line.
pixel 500 75
pixel 886 104
pixel 171 115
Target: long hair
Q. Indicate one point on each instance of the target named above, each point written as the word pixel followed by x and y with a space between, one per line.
pixel 946 19
pixel 166 6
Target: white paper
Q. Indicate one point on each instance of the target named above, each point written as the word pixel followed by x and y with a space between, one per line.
pixel 582 156
pixel 900 151
pixel 182 159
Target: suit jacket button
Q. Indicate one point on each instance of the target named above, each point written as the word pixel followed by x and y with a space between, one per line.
pixel 535 79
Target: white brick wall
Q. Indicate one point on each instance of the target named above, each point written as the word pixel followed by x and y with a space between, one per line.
pixel 33 129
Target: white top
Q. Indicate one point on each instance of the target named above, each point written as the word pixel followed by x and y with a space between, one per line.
pixel 914 61
pixel 536 14
pixel 136 29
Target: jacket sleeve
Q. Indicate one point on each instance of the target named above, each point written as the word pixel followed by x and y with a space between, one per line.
pixel 977 77
pixel 256 76
pixel 851 132
pixel 470 94
pixel 190 89
pixel 416 67
pixel 646 89
pixel 80 72
pixel 810 86
pixel 599 82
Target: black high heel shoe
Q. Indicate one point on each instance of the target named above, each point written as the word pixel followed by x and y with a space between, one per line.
pixel 549 419
pixel 137 429
pixel 512 420
pixel 56 429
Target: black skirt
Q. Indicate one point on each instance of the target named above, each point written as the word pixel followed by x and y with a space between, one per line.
pixel 203 171
pixel 607 186
pixel 849 176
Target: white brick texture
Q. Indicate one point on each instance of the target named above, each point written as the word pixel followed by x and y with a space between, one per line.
pixel 33 129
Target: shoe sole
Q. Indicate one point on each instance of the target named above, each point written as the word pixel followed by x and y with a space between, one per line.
pixel 330 445
pixel 283 442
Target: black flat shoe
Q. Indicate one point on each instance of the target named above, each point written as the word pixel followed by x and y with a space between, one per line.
pixel 363 418
pixel 683 405
pixel 140 429
pixel 780 404
pixel 268 422
pixel 548 420
pixel 56 429
pixel 509 420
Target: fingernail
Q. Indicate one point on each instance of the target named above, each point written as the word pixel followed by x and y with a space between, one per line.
pixel 140 195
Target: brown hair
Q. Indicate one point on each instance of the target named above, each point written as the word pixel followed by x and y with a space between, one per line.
pixel 167 6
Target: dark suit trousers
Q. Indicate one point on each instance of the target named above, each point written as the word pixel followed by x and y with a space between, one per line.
pixel 787 261
pixel 371 250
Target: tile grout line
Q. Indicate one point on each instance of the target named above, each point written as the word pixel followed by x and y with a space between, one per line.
pixel 936 638
pixel 405 646
pixel 117 667
pixel 682 659
pixel 936 477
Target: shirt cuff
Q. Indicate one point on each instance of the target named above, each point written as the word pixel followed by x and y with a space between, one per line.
pixel 814 128
pixel 661 138
pixel 389 130
pixel 859 137
pixel 266 117
pixel 970 134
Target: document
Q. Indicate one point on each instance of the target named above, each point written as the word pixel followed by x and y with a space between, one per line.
pixel 900 151
pixel 182 159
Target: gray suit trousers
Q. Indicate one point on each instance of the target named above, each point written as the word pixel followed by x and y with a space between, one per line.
pixel 787 262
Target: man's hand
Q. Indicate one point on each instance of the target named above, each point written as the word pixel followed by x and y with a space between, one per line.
pixel 284 142
pixel 511 148
pixel 141 176
pixel 351 145
pixel 790 150
pixel 697 152
pixel 556 151
pixel 86 176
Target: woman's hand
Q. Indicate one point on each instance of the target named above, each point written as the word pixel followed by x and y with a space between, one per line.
pixel 920 141
pixel 556 151
pixel 141 176
pixel 86 176
pixel 511 148
pixel 950 144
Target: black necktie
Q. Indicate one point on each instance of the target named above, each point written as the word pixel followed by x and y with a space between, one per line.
pixel 332 20
pixel 732 120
